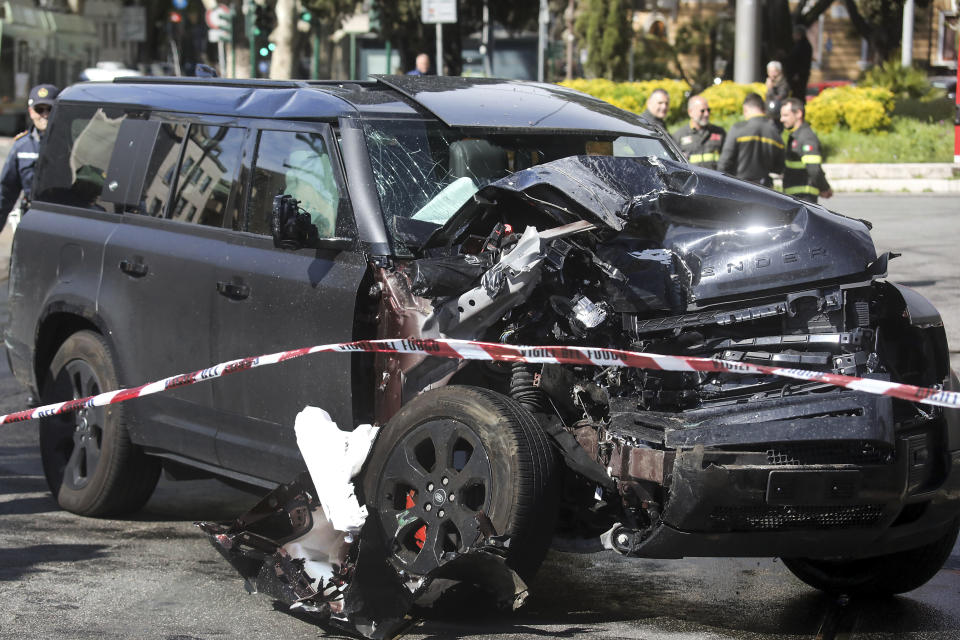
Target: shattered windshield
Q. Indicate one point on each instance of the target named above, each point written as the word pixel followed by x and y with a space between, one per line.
pixel 425 171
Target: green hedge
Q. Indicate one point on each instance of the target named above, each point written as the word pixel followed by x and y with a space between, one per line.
pixel 726 98
pixel 632 96
pixel 855 124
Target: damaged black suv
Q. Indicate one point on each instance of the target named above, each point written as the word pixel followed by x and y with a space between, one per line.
pixel 179 223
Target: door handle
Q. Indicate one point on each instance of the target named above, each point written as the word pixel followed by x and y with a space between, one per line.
pixel 136 269
pixel 233 290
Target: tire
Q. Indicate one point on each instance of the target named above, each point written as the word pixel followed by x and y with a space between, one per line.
pixel 878 576
pixel 90 464
pixel 494 457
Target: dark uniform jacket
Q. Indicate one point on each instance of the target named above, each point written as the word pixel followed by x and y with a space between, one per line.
pixel 752 151
pixel 803 174
pixel 17 174
pixel 654 119
pixel 701 146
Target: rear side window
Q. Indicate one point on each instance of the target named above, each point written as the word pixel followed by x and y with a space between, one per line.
pixel 161 169
pixel 208 171
pixel 78 149
pixel 294 163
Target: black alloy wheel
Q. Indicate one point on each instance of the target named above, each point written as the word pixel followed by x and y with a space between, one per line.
pixel 77 437
pixel 451 457
pixel 434 483
pixel 90 464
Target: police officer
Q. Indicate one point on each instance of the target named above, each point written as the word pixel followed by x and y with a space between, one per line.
pixel 699 140
pixel 803 175
pixel 17 174
pixel 753 148
pixel 656 108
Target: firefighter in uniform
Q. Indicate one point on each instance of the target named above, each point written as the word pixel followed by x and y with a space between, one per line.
pixel 699 140
pixel 802 174
pixel 753 148
pixel 17 174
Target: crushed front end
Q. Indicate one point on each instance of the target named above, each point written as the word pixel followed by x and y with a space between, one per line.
pixel 654 256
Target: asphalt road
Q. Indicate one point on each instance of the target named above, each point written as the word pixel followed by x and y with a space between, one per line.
pixel 155 576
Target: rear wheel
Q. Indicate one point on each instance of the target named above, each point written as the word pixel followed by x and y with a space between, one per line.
pixel 450 454
pixel 880 575
pixel 90 464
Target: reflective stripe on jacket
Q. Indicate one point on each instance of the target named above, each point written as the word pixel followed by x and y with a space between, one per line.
pixel 753 150
pixel 803 174
pixel 701 146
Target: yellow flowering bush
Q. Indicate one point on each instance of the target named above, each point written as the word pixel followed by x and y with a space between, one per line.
pixel 862 109
pixel 865 115
pixel 632 96
pixel 726 99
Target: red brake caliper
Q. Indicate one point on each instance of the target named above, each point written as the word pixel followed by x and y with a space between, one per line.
pixel 421 534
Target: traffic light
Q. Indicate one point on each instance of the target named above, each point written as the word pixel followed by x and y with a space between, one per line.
pixel 264 21
pixel 175 17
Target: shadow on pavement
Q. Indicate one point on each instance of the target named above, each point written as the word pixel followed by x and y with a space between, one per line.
pixel 192 500
pixel 576 602
pixel 22 484
pixel 15 563
pixel 26 506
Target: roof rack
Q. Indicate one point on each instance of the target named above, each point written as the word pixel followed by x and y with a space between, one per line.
pixel 357 85
pixel 247 83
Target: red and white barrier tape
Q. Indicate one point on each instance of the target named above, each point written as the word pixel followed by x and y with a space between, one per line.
pixel 471 350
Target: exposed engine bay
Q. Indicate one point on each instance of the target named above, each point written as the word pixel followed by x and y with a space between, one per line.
pixel 648 255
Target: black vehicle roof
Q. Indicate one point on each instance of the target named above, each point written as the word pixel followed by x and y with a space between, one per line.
pixel 460 102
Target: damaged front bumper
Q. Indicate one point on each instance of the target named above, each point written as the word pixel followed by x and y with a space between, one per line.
pixel 823 475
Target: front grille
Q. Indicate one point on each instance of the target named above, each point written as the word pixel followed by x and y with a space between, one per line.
pixel 780 518
pixel 822 452
pixel 807 453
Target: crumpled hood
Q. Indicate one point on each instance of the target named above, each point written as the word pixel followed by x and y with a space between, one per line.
pixel 733 236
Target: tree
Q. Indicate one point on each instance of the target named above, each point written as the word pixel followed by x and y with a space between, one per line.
pixel 880 22
pixel 606 28
pixel 708 38
pixel 284 36
pixel 326 16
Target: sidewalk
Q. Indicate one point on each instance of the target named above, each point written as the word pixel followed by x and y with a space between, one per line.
pixel 890 178
pixel 913 178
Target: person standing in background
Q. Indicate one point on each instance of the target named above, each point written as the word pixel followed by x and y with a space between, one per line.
pixel 699 140
pixel 17 173
pixel 777 91
pixel 798 63
pixel 803 175
pixel 753 148
pixel 657 106
pixel 422 66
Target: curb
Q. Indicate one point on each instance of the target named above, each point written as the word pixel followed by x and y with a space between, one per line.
pixel 902 185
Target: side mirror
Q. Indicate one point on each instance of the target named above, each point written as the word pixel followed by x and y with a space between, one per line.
pixel 291 225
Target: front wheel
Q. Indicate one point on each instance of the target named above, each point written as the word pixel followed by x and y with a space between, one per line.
pixel 881 575
pixel 450 454
pixel 90 464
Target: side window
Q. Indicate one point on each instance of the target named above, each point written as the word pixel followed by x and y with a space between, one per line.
pixel 294 163
pixel 160 169
pixel 76 155
pixel 209 169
